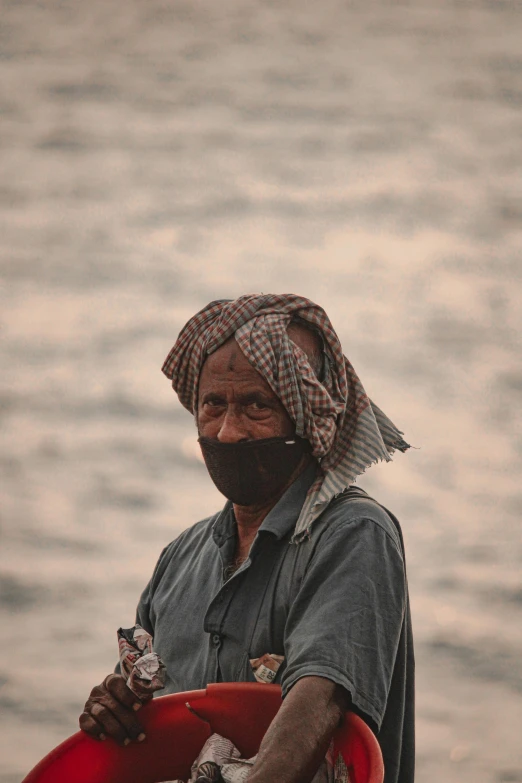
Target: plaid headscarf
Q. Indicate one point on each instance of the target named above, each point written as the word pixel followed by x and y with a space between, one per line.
pixel 347 431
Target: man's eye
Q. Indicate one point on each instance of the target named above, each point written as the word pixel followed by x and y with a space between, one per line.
pixel 258 406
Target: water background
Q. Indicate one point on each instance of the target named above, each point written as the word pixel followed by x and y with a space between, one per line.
pixel 157 155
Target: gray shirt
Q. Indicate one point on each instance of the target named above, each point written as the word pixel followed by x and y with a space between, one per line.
pixel 334 606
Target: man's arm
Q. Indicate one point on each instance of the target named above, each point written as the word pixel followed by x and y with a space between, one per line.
pixel 341 639
pixel 298 738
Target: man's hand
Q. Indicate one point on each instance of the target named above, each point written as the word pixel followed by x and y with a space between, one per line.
pixel 110 711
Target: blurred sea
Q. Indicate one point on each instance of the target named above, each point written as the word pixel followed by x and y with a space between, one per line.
pixel 157 155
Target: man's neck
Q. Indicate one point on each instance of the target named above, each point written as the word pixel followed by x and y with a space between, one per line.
pixel 250 518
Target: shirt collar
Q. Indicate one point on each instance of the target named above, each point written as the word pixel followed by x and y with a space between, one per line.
pixel 280 520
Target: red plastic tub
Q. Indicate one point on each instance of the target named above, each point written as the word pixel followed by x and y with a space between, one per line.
pixel 176 733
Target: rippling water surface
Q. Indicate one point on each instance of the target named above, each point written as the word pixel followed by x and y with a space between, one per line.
pixel 158 155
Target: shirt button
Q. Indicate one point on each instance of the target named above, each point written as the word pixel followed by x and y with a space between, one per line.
pixel 216 640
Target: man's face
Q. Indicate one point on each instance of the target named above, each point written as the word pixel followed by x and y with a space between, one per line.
pixel 235 403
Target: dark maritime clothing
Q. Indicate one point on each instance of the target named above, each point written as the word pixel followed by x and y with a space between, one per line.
pixel 334 606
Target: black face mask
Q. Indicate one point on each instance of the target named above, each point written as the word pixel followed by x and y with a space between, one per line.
pixel 253 471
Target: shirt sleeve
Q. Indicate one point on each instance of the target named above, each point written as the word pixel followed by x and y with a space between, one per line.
pixel 345 623
pixel 144 616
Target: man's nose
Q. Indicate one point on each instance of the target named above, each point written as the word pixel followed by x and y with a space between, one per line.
pixel 232 428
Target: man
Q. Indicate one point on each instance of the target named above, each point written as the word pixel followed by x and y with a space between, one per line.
pixel 300 569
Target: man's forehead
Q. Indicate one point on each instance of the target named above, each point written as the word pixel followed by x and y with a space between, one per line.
pixel 229 356
pixel 229 362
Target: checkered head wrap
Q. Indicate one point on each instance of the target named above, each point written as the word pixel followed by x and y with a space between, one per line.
pixel 347 431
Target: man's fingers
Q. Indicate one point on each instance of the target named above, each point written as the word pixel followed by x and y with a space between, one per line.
pixel 111 726
pixel 110 711
pixel 91 727
pixel 117 721
pixel 118 688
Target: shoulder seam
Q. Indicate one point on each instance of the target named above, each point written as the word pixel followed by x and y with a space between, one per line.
pixel 361 517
